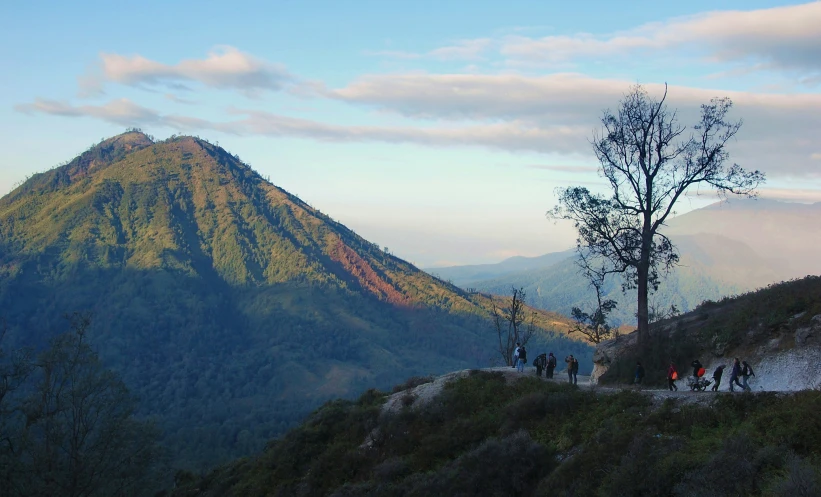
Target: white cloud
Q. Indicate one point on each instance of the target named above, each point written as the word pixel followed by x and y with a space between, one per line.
pixel 554 114
pixel 224 68
pixel 777 38
pixel 791 194
pixel 121 111
pixel 779 134
pixel 460 50
pixel 564 169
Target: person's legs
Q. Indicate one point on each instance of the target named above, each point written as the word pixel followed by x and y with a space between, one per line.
pixel 520 366
pixel 570 375
pixel 575 378
pixel 744 384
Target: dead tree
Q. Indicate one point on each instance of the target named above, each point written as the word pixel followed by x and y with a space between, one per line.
pixel 512 324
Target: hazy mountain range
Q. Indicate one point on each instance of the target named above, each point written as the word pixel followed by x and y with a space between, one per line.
pixel 726 248
pixel 230 307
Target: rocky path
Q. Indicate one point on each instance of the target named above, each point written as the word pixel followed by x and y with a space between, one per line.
pixel 426 392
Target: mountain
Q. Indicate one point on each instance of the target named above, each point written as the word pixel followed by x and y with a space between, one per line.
pixel 229 306
pixel 560 287
pixel 464 276
pixel 726 248
pixel 782 231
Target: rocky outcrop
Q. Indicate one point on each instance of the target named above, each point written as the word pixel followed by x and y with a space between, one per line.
pixel 607 352
pixel 809 335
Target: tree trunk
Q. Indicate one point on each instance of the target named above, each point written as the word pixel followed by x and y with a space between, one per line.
pixel 642 314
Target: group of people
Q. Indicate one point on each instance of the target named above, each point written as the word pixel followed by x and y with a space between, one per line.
pixel 546 363
pixel 740 369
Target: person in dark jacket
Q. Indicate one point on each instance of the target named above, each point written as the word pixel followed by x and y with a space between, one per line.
pixel 672 376
pixel 520 366
pixel 551 365
pixel 639 373
pixel 734 374
pixel 717 377
pixel 572 368
pixel 696 367
pixel 540 362
pixel 746 372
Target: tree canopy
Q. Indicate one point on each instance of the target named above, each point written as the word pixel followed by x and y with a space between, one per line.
pixel 650 160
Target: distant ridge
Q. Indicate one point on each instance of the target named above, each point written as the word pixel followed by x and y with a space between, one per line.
pixel 727 248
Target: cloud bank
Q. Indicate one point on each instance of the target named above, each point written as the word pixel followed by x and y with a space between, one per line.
pixel 225 68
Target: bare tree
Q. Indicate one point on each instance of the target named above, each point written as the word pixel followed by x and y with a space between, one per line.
pixel 511 324
pixel 650 161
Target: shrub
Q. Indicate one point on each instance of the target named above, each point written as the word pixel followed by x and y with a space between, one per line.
pixel 412 382
pixel 518 463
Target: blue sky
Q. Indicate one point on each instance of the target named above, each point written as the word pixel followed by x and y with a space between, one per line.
pixel 437 130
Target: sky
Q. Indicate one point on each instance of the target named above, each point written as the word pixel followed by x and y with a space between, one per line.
pixel 440 130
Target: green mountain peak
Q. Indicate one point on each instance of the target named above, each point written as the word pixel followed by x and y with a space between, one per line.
pixel 221 296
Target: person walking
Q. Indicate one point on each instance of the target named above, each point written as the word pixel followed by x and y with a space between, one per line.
pixel 522 359
pixel 540 363
pixel 672 376
pixel 717 374
pixel 516 355
pixel 734 374
pixel 572 368
pixel 639 373
pixel 696 368
pixel 746 372
pixel 551 365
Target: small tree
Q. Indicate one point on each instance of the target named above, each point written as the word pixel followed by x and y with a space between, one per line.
pixel 650 162
pixel 72 432
pixel 593 325
pixel 510 324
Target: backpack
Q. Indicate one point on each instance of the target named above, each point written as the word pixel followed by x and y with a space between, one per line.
pixel 523 355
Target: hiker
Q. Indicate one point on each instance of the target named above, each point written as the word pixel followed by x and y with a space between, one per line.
pixel 540 363
pixel 717 377
pixel 672 376
pixel 522 359
pixel 696 368
pixel 516 355
pixel 551 365
pixel 734 374
pixel 746 372
pixel 639 373
pixel 572 368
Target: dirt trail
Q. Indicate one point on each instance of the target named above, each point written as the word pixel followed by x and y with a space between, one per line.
pixel 426 392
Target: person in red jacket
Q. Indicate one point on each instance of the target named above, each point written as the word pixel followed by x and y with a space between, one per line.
pixel 672 376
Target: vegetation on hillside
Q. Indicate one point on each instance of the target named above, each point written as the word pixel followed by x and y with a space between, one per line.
pixel 484 436
pixel 747 320
pixel 230 307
